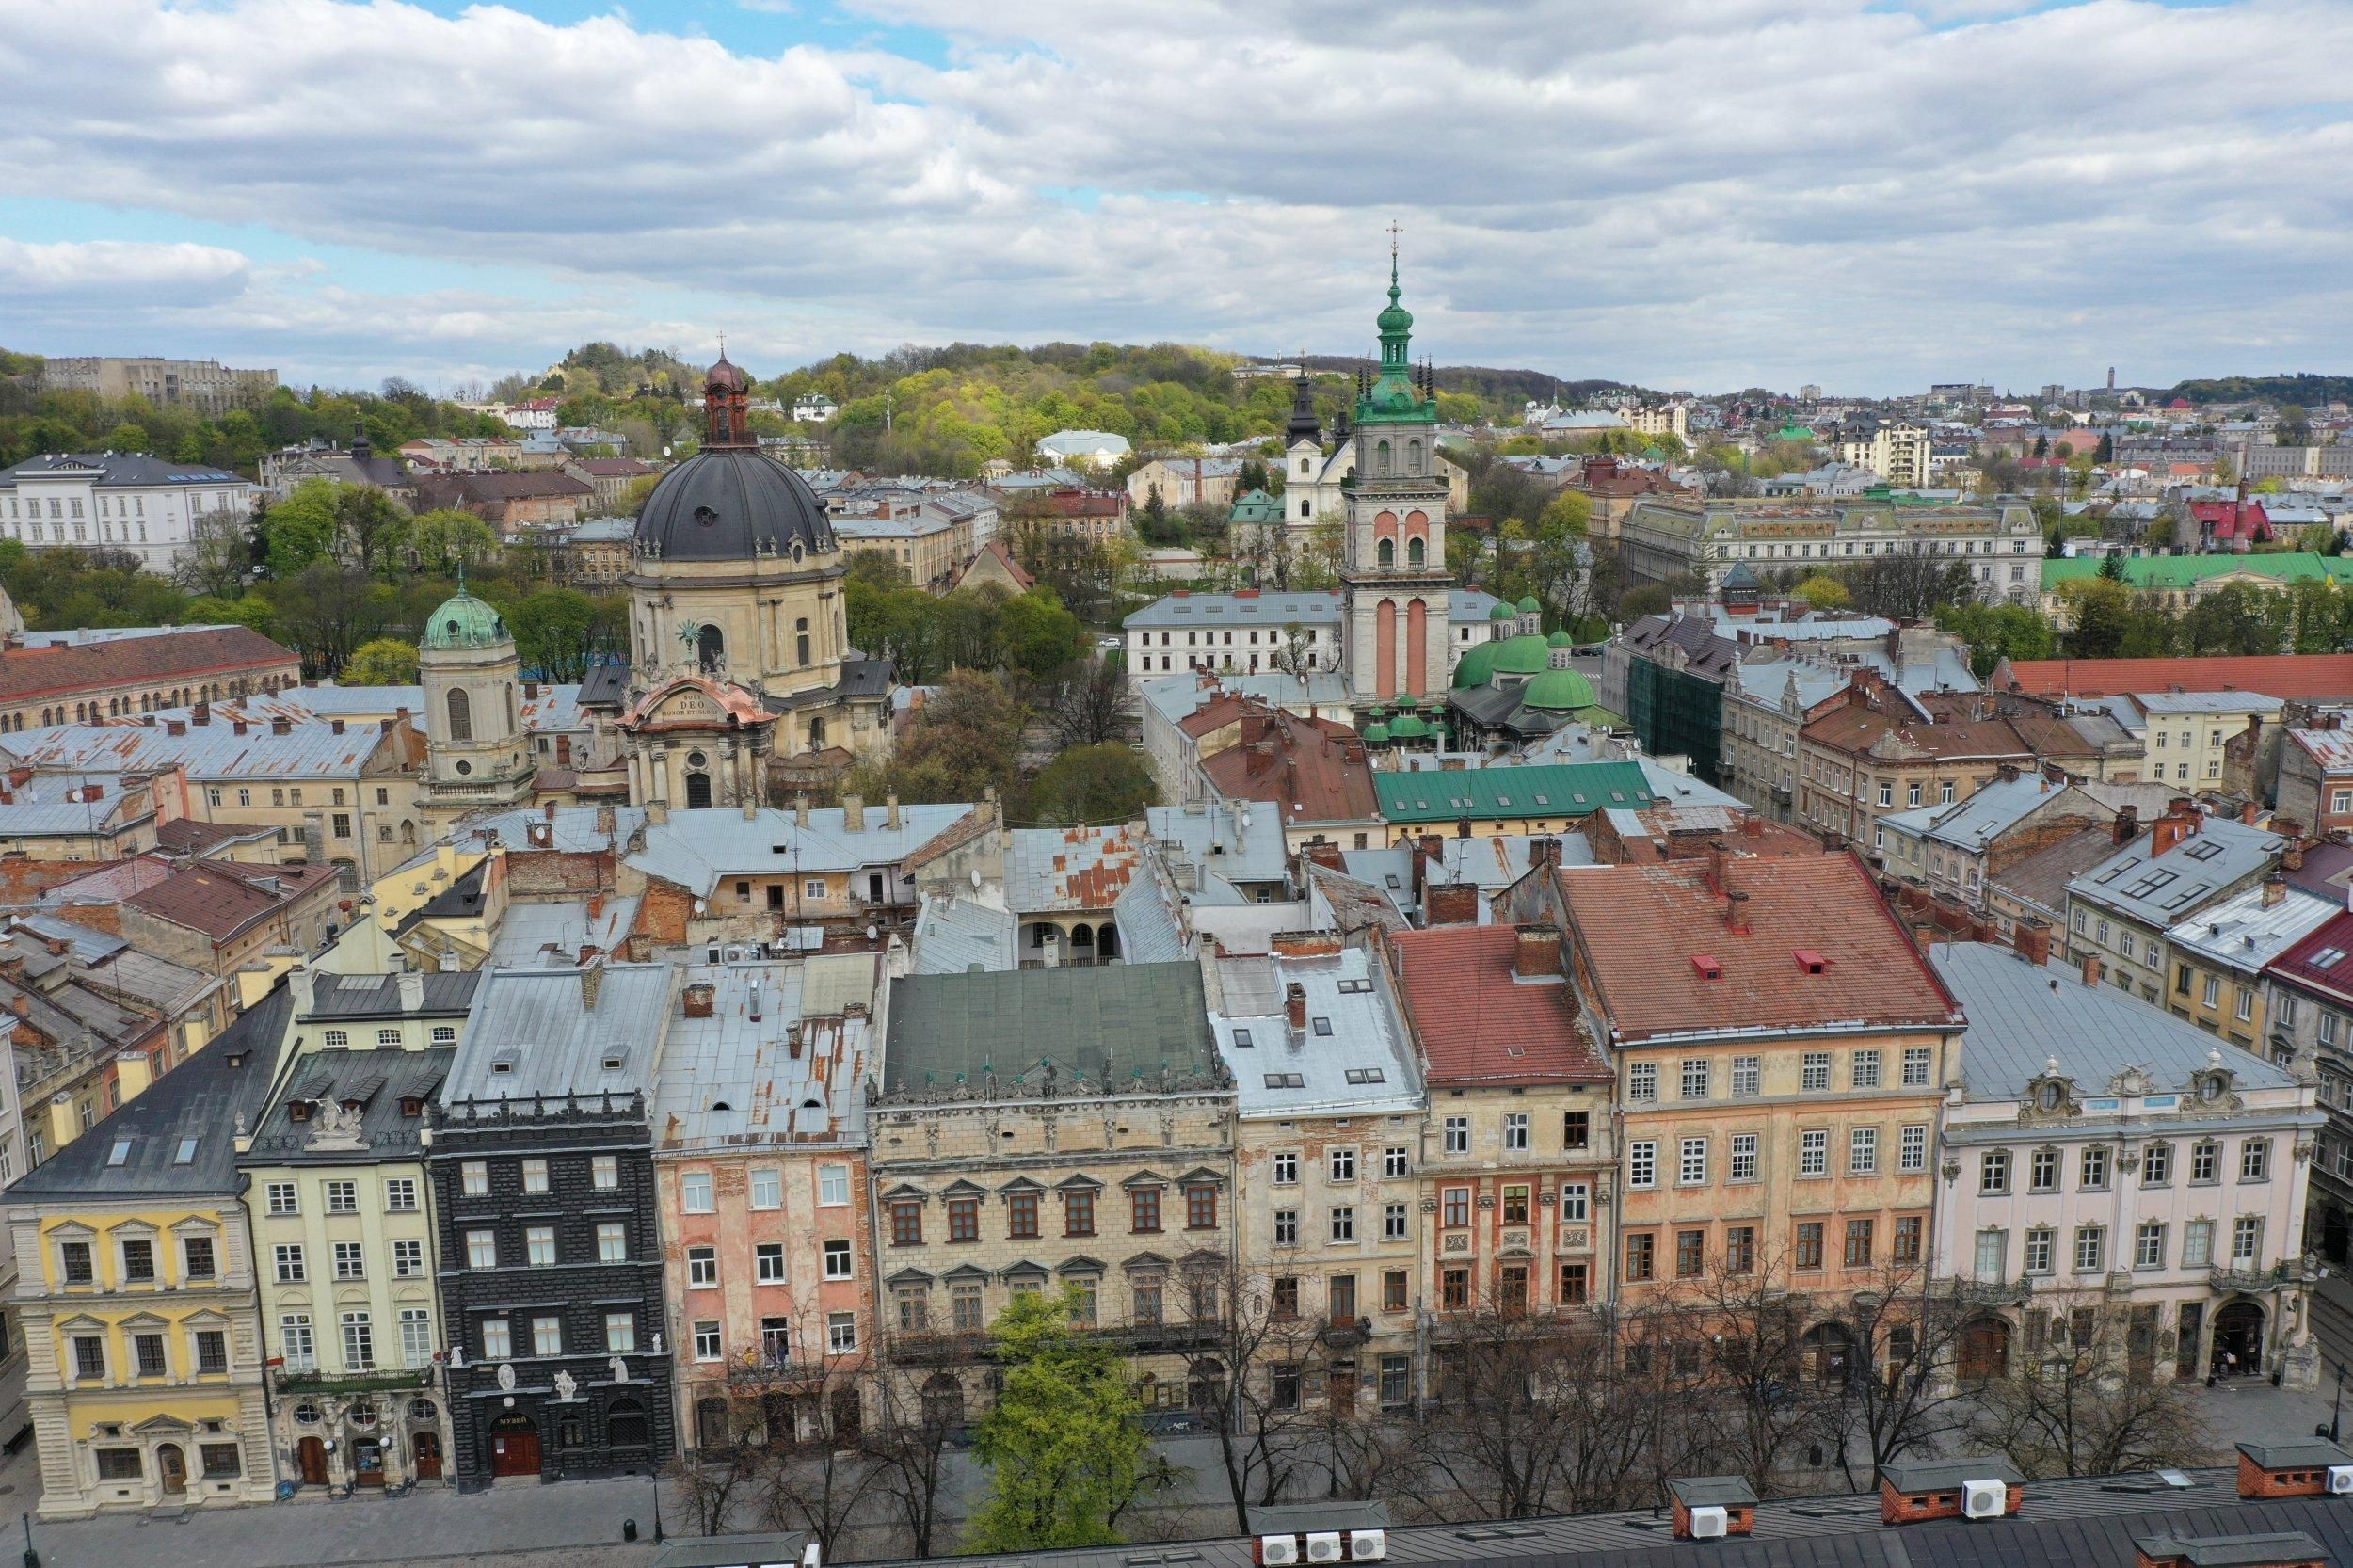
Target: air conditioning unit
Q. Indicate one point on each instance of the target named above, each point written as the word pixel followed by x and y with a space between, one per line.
pixel 2340 1479
pixel 1278 1551
pixel 1984 1499
pixel 1711 1523
pixel 810 1557
pixel 1324 1546
pixel 1368 1545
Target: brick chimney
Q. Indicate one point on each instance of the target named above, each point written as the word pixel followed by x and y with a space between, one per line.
pixel 2033 940
pixel 1729 1496
pixel 202 713
pixel 2276 887
pixel 591 982
pixel 1304 944
pixel 281 726
pixel 2180 821
pixel 1914 1490
pixel 891 812
pixel 2293 1469
pixel 1295 1005
pixel 2094 969
pixel 1450 904
pixel 853 814
pixel 1536 955
pixel 2127 825
pixel 1737 914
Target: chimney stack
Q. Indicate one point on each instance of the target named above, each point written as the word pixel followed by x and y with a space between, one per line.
pixel 1295 1005
pixel 800 810
pixel 591 982
pixel 1737 914
pixel 891 812
pixel 853 814
pixel 1536 954
pixel 2033 940
pixel 2094 969
pixel 2275 890
pixel 2127 825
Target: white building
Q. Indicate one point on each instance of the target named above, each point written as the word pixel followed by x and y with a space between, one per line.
pixel 813 408
pixel 1260 630
pixel 2117 1182
pixel 149 508
pixel 1092 449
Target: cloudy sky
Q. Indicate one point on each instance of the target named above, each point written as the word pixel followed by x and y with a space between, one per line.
pixel 1685 193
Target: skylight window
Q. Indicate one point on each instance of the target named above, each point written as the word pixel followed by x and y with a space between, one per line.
pixel 120 1153
pixel 2202 850
pixel 1241 1038
pixel 1367 1075
pixel 1323 1025
pixel 1286 1081
pixel 186 1153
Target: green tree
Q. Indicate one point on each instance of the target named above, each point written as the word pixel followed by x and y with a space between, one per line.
pixel 1039 635
pixel 1064 1443
pixel 446 539
pixel 2100 612
pixel 1092 784
pixel 301 528
pixel 384 661
pixel 1825 592
pixel 553 632
pixel 2112 567
pixel 2238 618
pixel 964 740
pixel 128 438
pixel 1998 632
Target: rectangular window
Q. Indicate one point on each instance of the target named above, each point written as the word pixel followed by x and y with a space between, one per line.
pixel 1458 1135
pixel 965 1310
pixel 708 1345
pixel 612 1241
pixel 1692 1169
pixel 2205 1162
pixel 1862 1070
pixel 1858 1254
pixel 915 1309
pixel 400 1194
pixel 620 1332
pixel 1917 1060
pixel 196 1257
pixel 147 1352
pixel 1200 1207
pixel 1576 1282
pixel 604 1172
pixel 283 1197
pixel 473 1178
pixel 2156 1165
pixel 964 1219
pixel 2148 1244
pixel 767 1190
pixel 1515 1130
pixel 351 1261
pixel 2198 1244
pixel 1393 1290
pixel 2254 1159
pixel 1814 1072
pixel 1642 1164
pixel 2247 1240
pixel 2091 1245
pixel 1342 1163
pixel 1577 1199
pixel 1515 1205
pixel 289 1259
pixel 1912 1148
pixel 1809 1250
pixel 838 1260
pixel 1642 1081
pixel 1287 1227
pixel 832 1186
pixel 1691 1253
pixel 2094 1167
pixel 2043 1168
pixel 841 1333
pixel 1641 1256
pixel 906 1222
pixel 1078 1213
pixel 138 1262
pixel 535 1176
pixel 1908 1239
pixel 1144 1210
pixel 1695 1078
pixel 768 1263
pixel 539 1246
pixel 1814 1152
pixel 1396 1162
pixel 702 1266
pixel 1743 1161
pixel 1994 1172
pixel 482 1249
pixel 547 1335
pixel 358 1343
pixel 1993 1253
pixel 1395 1225
pixel 1863 1151
pixel 695 1191
pixel 295 1342
pixel 1748 1077
pixel 1285 1164
pixel 1343 1223
pixel 1576 1129
pixel 1021 1214
pixel 212 1351
pixel 119 1464
pixel 416 1336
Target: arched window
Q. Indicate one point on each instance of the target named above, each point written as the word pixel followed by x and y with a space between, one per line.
pixel 800 639
pixel 461 714
pixel 1386 552
pixel 1381 458
pixel 711 648
pixel 1415 554
pixel 1412 457
pixel 698 792
pixel 816 734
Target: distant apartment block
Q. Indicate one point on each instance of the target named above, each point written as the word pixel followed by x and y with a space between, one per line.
pixel 205 385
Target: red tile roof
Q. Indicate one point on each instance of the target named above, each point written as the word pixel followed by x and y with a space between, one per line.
pixel 2287 675
pixel 1314 769
pixel 221 897
pixel 1478 1024
pixel 2308 962
pixel 1642 929
pixel 33 672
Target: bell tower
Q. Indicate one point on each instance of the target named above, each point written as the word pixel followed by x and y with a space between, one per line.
pixel 1393 576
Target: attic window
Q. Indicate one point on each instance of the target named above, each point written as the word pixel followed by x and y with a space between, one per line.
pixel 2328 958
pixel 1286 1081
pixel 186 1153
pixel 1503 800
pixel 1367 1075
pixel 1707 967
pixel 120 1153
pixel 1543 800
pixel 411 1106
pixel 2203 850
pixel 1241 1038
pixel 1809 960
pixel 1351 988
pixel 615 1059
pixel 297 1110
pixel 503 1063
pixel 1323 1027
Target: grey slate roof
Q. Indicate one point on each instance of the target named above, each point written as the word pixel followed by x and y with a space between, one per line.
pixel 2162 890
pixel 695 849
pixel 533 1034
pixel 1132 1018
pixel 201 1100
pixel 2041 878
pixel 1353 1032
pixel 955 933
pixel 379 1079
pixel 730 1078
pixel 1242 841
pixel 1970 824
pixel 377 996
pixel 2018 1019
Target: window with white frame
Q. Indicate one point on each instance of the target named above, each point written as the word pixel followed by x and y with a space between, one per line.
pixel 1695 1078
pixel 1814 1152
pixel 1814 1072
pixel 2091 1249
pixel 1743 1158
pixel 767 1188
pixel 1748 1077
pixel 695 1191
pixel 1863 1151
pixel 1918 1062
pixel 1642 1164
pixel 1862 1070
pixel 1692 1170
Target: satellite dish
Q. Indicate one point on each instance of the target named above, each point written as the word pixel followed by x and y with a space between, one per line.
pixel 666 452
pixel 976 879
pixel 871 933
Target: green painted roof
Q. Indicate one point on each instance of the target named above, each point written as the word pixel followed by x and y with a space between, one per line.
pixel 1553 790
pixel 1559 691
pixel 1408 727
pixel 1525 654
pixel 464 621
pixel 1376 734
pixel 2184 571
pixel 1793 432
pixel 1501 612
pixel 1477 666
pixel 1255 506
pixel 1529 607
pixel 1561 639
pixel 1141 1016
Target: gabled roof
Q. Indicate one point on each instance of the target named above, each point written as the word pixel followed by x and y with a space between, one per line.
pixel 31 673
pixel 221 897
pixel 1654 934
pixel 2160 889
pixel 1478 1023
pixel 1488 795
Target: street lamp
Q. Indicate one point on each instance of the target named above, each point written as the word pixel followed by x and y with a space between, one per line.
pixel 32 1557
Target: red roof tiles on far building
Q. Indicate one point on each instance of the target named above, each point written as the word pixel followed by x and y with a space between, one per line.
pixel 2290 677
pixel 1489 1004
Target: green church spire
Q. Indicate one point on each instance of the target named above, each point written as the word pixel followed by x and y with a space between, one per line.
pixel 1393 398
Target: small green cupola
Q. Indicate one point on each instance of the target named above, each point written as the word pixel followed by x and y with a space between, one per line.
pixel 1395 397
pixel 464 621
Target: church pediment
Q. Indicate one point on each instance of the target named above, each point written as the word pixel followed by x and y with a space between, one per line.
pixel 698 702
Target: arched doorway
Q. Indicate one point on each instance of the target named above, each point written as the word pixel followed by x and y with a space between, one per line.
pixel 514 1446
pixel 624 1425
pixel 367 1462
pixel 1829 1350
pixel 310 1459
pixel 427 1447
pixel 172 1465
pixel 1082 944
pixel 1984 1350
pixel 2238 1340
pixel 943 1401
pixel 711 648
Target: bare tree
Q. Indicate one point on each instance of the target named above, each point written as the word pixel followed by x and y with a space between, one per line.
pixel 912 1438
pixel 819 1476
pixel 726 1464
pixel 1252 1324
pixel 1090 705
pixel 1908 1334
pixel 2084 1400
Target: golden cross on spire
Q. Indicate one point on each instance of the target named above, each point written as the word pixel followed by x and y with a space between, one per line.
pixel 723 346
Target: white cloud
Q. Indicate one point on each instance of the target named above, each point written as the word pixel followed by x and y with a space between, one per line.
pixel 113 272
pixel 1699 192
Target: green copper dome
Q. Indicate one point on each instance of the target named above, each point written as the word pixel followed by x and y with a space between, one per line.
pixel 1376 734
pixel 1408 728
pixel 1525 654
pixel 464 621
pixel 1501 612
pixel 1529 607
pixel 1559 691
pixel 1561 639
pixel 1395 318
pixel 1477 666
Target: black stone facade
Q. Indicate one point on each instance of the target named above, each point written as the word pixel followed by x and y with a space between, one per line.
pixel 605 1427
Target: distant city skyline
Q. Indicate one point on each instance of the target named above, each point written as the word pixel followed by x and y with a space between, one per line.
pixel 1865 196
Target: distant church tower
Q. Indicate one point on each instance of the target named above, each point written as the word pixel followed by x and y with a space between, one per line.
pixel 1393 576
pixel 478 757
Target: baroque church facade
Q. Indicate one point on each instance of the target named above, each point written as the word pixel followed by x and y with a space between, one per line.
pixel 741 682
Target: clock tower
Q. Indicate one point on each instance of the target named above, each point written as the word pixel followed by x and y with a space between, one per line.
pixel 1392 575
